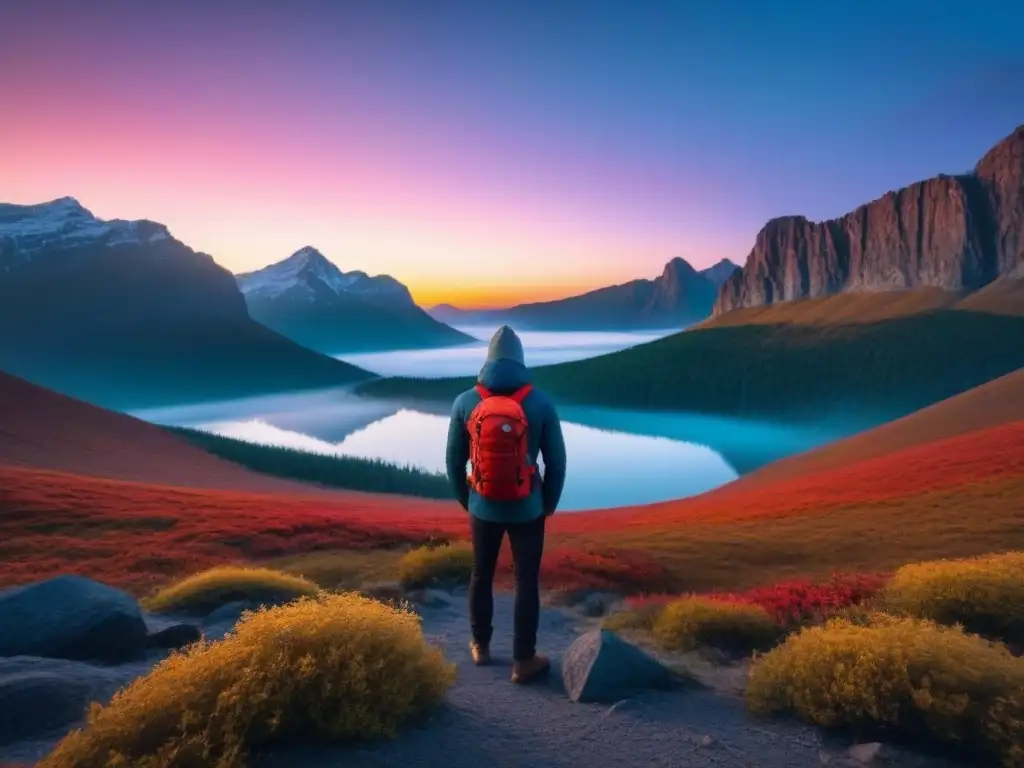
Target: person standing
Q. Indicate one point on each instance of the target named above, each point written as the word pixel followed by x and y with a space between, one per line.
pixel 500 426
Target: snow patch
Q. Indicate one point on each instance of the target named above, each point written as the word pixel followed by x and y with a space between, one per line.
pixel 301 273
pixel 65 223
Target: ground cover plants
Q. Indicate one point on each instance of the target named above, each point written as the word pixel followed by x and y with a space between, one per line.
pixel 202 592
pixel 904 676
pixel 338 667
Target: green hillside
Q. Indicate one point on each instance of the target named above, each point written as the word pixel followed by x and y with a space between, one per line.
pixel 863 370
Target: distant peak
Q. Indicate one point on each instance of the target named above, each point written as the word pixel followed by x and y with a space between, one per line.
pixel 306 254
pixel 678 268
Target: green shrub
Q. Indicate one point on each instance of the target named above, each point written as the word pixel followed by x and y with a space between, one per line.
pixel 337 667
pixel 203 592
pixel 907 675
pixel 428 566
pixel 690 622
pixel 984 594
pixel 370 475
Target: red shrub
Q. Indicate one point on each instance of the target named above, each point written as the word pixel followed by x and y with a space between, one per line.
pixel 796 602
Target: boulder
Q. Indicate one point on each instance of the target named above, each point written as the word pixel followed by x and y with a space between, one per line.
pixel 602 667
pixel 71 617
pixel 39 696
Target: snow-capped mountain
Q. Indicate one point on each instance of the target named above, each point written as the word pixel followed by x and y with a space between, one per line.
pixel 63 224
pixel 307 273
pixel 307 298
pixel 122 314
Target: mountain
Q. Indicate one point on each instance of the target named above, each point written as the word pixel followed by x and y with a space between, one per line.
pixel 308 299
pixel 679 297
pixel 720 272
pixel 845 359
pixel 120 313
pixel 957 233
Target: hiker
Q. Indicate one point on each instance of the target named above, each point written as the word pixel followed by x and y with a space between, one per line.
pixel 500 426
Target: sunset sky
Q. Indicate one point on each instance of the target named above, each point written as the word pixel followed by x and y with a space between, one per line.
pixel 486 153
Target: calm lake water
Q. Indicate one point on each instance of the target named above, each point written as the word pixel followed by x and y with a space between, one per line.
pixel 616 458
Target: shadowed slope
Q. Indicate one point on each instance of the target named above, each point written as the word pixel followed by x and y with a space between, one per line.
pixel 43 429
pixel 998 402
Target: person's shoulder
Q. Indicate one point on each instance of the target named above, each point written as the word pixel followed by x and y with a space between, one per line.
pixel 466 401
pixel 542 401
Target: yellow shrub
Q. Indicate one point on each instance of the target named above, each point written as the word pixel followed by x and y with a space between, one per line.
pixel 203 592
pixel 426 566
pixel 694 621
pixel 636 617
pixel 905 674
pixel 984 594
pixel 336 667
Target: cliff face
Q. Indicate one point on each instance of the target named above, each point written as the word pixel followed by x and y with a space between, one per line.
pixel 955 233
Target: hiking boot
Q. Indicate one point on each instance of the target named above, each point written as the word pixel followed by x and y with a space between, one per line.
pixel 531 669
pixel 481 654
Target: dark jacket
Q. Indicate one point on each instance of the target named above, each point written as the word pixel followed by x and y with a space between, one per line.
pixel 504 373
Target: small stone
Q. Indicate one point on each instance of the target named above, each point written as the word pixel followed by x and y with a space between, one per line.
pixel 707 740
pixel 865 754
pixel 600 666
pixel 595 604
pixel 174 636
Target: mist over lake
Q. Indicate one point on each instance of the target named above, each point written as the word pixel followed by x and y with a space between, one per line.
pixel 616 457
pixel 542 348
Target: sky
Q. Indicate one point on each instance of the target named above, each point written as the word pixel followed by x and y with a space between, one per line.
pixel 491 153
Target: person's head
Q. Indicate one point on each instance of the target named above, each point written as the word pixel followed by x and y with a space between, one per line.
pixel 505 345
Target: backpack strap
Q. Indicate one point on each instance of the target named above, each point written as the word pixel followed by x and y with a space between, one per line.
pixel 520 394
pixel 483 391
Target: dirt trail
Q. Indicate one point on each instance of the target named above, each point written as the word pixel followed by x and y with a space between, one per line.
pixel 488 722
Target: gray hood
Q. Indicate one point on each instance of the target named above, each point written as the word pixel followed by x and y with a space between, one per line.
pixel 505 370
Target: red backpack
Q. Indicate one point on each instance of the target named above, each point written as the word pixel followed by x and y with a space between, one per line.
pixel 499 446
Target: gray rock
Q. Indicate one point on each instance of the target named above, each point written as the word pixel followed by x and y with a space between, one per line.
pixel 229 612
pixel 39 696
pixel 602 667
pixel 71 617
pixel 176 635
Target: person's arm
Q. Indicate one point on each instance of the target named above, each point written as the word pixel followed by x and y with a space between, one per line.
pixel 457 455
pixel 552 447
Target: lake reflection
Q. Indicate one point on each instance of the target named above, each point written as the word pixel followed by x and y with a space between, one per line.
pixel 606 469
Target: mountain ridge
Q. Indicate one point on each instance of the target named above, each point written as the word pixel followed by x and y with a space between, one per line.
pixel 679 296
pixel 950 232
pixel 307 298
pixel 122 314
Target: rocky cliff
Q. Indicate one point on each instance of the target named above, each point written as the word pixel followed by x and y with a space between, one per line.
pixel 950 232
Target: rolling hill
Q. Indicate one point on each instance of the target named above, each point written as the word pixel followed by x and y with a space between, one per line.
pixel 678 297
pixel 308 299
pixel 858 358
pixel 90 491
pixel 121 314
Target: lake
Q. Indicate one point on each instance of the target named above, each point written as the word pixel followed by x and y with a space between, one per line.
pixel 616 457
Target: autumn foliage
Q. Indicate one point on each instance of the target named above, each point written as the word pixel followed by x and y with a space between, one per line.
pixel 903 675
pixel 337 667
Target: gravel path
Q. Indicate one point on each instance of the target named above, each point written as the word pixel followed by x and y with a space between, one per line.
pixel 489 723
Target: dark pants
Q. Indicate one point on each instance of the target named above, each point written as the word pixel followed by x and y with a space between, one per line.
pixel 527 540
